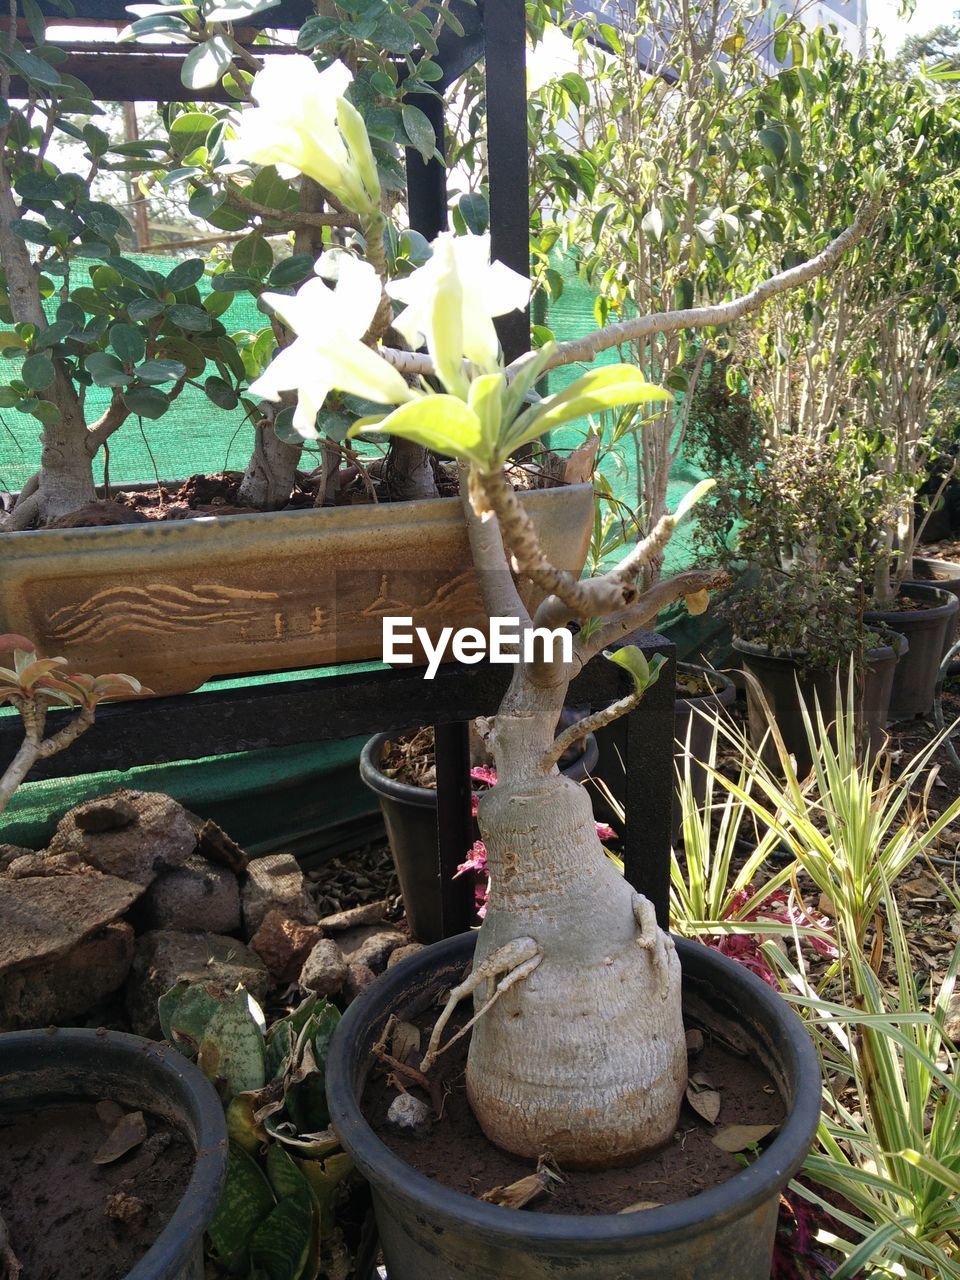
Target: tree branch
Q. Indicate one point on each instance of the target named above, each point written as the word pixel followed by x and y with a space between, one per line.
pixel 646 607
pixel 290 217
pixel 588 725
pixel 500 595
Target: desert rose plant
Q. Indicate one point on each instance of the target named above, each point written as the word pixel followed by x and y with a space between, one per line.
pixel 566 943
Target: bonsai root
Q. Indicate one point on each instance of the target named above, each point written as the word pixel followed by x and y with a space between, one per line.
pixel 510 964
pixel 655 940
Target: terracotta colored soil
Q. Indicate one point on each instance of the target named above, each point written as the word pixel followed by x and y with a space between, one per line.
pixel 458 1155
pixel 69 1217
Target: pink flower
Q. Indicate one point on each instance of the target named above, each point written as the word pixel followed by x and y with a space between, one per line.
pixel 481 773
pixel 476 860
pixel 604 831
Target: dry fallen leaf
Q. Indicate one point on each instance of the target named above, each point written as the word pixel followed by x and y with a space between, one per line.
pixel 519 1193
pixel 697 603
pixel 704 1099
pixel 110 1113
pixel 735 1137
pixel 405 1042
pixel 641 1205
pixel 578 467
pixel 127 1134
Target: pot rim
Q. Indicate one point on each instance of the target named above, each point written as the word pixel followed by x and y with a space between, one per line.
pixel 946 605
pixel 434 510
pixel 729 1201
pixel 880 653
pixel 426 797
pixel 75 1048
pixel 723 682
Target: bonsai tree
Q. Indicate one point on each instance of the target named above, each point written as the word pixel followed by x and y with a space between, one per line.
pixel 563 931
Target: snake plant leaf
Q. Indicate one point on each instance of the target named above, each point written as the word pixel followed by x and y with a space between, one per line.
pixel 314 1146
pixel 185 1012
pixel 281 1041
pixel 285 1239
pixel 324 1025
pixel 232 1051
pixel 245 1203
pixel 608 387
pixel 645 674
pixel 324 1177
pixel 305 1095
pixel 442 423
pixel 243 1127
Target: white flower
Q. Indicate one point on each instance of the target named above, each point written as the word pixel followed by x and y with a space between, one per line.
pixel 328 352
pixel 302 122
pixel 451 302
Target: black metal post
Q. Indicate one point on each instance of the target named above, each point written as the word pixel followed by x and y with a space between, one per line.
pixel 505 68
pixel 648 793
pixel 427 180
pixel 454 824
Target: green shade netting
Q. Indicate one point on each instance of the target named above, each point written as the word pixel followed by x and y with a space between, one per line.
pixel 298 797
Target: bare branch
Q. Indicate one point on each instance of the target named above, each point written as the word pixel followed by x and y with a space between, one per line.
pixel 587 725
pixel 646 607
pixel 585 349
pixel 500 595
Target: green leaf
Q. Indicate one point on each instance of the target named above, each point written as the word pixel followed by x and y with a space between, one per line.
pixel 246 1201
pixel 395 35
pixel 774 143
pixel 144 309
pixel 106 370
pixel 31 67
pixel 281 1244
pixel 134 273
pixel 47 412
pixel 238 10
pixel 185 274
pixel 192 319
pixel 608 387
pixel 692 497
pixel 9 397
pixel 475 212
pixel 221 393
pixel 631 659
pixel 419 130
pixel 154 371
pixel 146 402
pixel 292 271
pixel 206 63
pixel 37 372
pixel 252 256
pixel 442 423
pixel 189 131
pixel 127 341
pixel 232 1049
pixel 486 401
pixel 652 224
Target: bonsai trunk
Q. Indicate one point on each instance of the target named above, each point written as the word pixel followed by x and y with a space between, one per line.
pixel 65 480
pixel 271 470
pixel 584 1058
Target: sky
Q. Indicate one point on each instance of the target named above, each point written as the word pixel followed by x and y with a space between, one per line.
pixel 928 13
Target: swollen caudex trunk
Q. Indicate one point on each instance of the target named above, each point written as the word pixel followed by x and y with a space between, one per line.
pixel 583 1058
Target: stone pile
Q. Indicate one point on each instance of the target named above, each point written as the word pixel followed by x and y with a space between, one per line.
pixel 134 893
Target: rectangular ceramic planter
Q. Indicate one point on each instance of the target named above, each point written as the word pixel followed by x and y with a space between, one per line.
pixel 175 603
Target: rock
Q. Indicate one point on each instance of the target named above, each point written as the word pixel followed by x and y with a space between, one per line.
pixel 371 945
pixel 163 956
pixel 369 913
pixel 324 970
pixel 410 1116
pixel 43 917
pixel 69 986
pixel 216 846
pixel 359 977
pixel 275 883
pixel 46 864
pixel 402 953
pixel 284 944
pixel 197 895
pixel 9 853
pixel 109 813
pixel 951 1025
pixel 158 836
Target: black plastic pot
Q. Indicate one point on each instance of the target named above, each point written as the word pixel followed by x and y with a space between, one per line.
pixel 429 1232
pixel 928 631
pixel 410 816
pixel 779 677
pixel 692 733
pixel 945 575
pixel 64 1065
